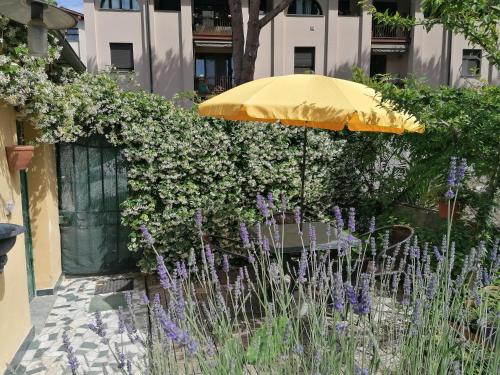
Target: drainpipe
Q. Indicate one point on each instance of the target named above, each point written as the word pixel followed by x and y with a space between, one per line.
pixel 148 41
pixel 448 57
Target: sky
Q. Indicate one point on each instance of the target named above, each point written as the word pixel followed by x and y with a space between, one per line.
pixel 71 4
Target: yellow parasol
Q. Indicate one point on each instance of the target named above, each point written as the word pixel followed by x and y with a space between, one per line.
pixel 311 101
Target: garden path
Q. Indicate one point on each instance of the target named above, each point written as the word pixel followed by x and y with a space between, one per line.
pixel 72 311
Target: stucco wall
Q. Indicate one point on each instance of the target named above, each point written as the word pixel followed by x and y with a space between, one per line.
pixel 15 321
pixel 44 214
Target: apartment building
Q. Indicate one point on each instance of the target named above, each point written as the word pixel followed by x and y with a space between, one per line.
pixel 76 35
pixel 181 45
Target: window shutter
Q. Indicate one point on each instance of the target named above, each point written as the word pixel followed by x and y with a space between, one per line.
pixel 122 56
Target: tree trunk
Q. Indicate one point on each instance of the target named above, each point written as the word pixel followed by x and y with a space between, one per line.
pixel 245 51
pixel 252 42
pixel 238 38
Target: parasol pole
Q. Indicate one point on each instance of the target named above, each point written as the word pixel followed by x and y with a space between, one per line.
pixel 303 175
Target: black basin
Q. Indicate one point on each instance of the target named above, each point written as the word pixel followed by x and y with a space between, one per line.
pixel 8 235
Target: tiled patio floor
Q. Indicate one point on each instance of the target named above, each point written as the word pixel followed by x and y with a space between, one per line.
pixel 72 311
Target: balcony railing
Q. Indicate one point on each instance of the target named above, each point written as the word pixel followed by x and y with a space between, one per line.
pixel 380 31
pixel 212 85
pixel 212 25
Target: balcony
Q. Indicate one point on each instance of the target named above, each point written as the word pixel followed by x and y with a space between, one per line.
pixel 212 85
pixel 208 24
pixel 389 38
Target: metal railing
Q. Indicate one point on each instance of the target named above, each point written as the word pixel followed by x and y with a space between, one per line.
pixel 380 31
pixel 212 25
pixel 213 85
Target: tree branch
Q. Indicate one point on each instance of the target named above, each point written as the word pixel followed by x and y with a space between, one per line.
pixel 274 12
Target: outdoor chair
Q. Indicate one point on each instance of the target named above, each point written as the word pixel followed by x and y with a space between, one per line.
pixel 399 235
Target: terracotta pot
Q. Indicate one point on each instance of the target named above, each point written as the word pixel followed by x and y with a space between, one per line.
pixel 19 156
pixel 443 209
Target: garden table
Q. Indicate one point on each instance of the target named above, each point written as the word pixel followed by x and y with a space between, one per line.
pixel 292 242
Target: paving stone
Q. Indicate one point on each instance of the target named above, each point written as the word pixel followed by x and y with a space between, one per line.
pixel 70 312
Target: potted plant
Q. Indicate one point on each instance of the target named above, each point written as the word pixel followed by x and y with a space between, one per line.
pixel 8 235
pixel 19 156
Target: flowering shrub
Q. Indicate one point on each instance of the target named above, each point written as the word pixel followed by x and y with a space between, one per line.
pixel 358 310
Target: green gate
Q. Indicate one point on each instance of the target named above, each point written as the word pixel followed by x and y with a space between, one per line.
pixel 92 185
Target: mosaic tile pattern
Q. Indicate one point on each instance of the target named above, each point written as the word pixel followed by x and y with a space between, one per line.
pixel 71 312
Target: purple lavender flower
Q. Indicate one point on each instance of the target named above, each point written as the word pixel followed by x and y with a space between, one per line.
pixel 120 356
pixel 449 194
pixel 462 168
pixel 301 274
pixel 251 259
pixel 372 225
pixel 258 233
pixel 98 326
pixel 209 256
pixel 284 203
pixel 351 223
pixel 338 219
pixel 162 272
pixel 270 200
pixel 338 292
pixel 417 312
pixel 361 371
pixel 262 206
pixel 350 293
pixel 265 245
pixel 225 263
pixel 121 320
pixel 363 305
pixel 177 335
pixel 373 247
pixel 298 349
pixel 452 173
pixel 406 288
pixel 181 270
pixel 432 286
pixel 198 219
pixel 312 237
pixel 244 235
pixel 297 214
pixel 70 353
pixel 274 272
pixel 438 255
pixel 147 236
pixel 129 367
pixel 340 327
pixel 277 237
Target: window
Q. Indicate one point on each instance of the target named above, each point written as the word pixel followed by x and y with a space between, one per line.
pixel 122 56
pixel 471 63
pixel 120 4
pixel 172 5
pixel 72 34
pixel 378 65
pixel 349 8
pixel 304 60
pixel 305 8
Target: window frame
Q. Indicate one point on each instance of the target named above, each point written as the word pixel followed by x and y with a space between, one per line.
pixel 121 8
pixel 155 2
pixel 121 69
pixel 471 54
pixel 313 60
pixel 322 14
pixel 358 7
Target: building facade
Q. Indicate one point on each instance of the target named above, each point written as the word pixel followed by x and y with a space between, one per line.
pixel 76 35
pixel 183 45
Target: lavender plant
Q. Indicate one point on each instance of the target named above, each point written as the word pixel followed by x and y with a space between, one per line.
pixel 328 312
